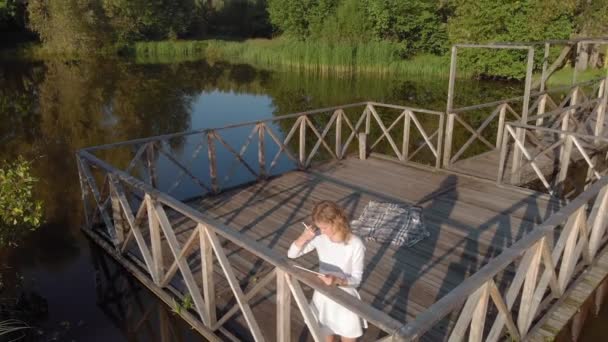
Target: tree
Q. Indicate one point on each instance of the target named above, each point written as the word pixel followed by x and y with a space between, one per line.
pixel 20 213
pixel 150 20
pixel 70 26
pixel 507 21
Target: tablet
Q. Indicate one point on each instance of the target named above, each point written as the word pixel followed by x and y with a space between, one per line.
pixel 307 270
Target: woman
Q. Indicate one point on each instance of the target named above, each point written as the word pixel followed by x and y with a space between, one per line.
pixel 341 257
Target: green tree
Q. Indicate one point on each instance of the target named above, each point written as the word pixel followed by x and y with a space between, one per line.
pixel 70 26
pixel 419 26
pixel 150 20
pixel 507 21
pixel 19 211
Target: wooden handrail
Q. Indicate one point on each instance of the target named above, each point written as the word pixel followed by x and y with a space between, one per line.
pixel 249 123
pixel 373 315
pixel 455 298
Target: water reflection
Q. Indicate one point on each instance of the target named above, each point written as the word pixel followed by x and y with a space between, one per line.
pixel 50 109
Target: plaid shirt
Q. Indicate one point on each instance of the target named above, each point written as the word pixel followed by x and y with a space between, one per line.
pixel 398 224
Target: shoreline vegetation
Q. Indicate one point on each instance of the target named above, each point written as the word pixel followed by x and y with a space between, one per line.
pixel 376 58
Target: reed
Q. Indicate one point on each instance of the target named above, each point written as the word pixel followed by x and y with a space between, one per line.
pixel 378 57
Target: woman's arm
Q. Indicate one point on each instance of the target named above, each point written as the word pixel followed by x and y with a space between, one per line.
pixel 305 243
pixel 354 280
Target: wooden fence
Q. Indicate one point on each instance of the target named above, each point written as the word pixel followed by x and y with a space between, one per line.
pixel 135 225
pixel 544 262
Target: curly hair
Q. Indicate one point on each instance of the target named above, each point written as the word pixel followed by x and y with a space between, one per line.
pixel 330 212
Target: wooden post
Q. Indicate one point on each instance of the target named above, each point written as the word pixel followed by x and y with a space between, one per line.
pixel 283 308
pixel 449 131
pixel 543 77
pixel 155 239
pixel 362 146
pixel 405 148
pixel 84 193
pixel 212 161
pixel 503 156
pixel 542 104
pixel 151 165
pixel 368 119
pixel 601 111
pixel 501 125
pixel 302 142
pixel 521 133
pixel 440 141
pixel 339 134
pixel 576 63
pixel 261 152
pixel 120 223
pixel 207 274
pixel 566 149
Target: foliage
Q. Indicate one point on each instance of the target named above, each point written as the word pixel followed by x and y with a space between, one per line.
pixel 70 26
pixel 376 57
pixel 143 19
pixel 19 212
pixel 417 26
pixel 507 21
pixel 186 304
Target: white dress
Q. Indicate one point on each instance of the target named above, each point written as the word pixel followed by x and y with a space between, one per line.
pixel 343 260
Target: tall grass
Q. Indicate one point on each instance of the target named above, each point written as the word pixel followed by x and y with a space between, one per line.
pixel 341 58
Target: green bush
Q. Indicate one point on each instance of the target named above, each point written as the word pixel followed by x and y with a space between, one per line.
pixel 20 213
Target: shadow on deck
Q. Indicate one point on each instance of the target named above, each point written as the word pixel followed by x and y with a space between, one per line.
pixel 470 221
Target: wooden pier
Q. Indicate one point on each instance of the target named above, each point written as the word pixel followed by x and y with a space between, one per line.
pixel 498 259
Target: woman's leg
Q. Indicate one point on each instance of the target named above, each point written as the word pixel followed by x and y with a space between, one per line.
pixel 348 339
pixel 329 338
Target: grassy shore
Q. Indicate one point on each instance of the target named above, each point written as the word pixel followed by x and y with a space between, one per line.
pixel 372 57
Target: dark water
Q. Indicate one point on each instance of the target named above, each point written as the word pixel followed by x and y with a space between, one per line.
pixel 50 109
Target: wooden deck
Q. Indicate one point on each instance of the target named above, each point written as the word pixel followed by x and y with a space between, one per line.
pixel 470 221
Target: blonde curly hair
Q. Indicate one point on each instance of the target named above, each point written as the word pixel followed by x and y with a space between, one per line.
pixel 331 213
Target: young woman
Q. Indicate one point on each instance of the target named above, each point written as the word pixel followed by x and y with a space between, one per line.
pixel 341 257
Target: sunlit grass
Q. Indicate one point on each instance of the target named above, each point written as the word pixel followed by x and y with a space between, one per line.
pixel 372 57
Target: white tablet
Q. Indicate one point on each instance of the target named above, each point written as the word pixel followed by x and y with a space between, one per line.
pixel 307 270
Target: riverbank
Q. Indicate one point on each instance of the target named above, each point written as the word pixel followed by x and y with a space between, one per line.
pixel 377 57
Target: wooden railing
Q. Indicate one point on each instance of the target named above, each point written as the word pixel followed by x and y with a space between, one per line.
pixel 522 281
pixel 128 211
pixel 401 132
pixel 137 228
pixel 570 113
pixel 552 154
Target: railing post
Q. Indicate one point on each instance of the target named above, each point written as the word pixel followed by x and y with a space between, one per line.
pixel 362 146
pixel 207 274
pixel 521 133
pixel 120 223
pixel 405 148
pixel 151 166
pixel 447 153
pixel 543 77
pixel 542 104
pixel 84 192
pixel 339 134
pixel 302 142
pixel 601 110
pixel 501 125
pixel 155 240
pixel 283 308
pixel 212 161
pixel 503 155
pixel 440 141
pixel 261 152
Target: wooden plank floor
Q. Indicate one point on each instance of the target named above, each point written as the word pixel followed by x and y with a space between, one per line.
pixel 470 222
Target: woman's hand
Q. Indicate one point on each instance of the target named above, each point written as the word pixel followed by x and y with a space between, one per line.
pixel 331 280
pixel 307 235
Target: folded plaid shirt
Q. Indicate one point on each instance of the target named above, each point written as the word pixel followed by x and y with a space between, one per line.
pixel 398 224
